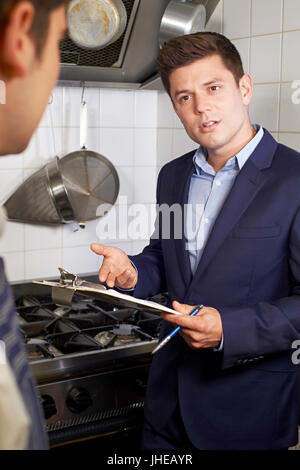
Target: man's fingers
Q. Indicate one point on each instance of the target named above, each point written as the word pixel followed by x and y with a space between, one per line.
pixel 104 272
pixel 177 306
pixel 182 308
pixel 185 321
pixel 110 281
pixel 190 342
pixel 114 266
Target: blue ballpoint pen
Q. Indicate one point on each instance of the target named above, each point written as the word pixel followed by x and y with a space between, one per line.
pixel 175 331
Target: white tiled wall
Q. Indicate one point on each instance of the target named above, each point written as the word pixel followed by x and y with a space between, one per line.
pixel 123 128
pixel 139 132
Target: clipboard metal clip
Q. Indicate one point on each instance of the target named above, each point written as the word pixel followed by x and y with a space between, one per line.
pixel 67 278
pixel 64 297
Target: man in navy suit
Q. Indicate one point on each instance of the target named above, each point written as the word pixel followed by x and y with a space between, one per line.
pixel 228 380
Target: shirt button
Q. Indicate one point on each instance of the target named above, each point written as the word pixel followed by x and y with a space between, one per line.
pixel 206 220
pixel 218 183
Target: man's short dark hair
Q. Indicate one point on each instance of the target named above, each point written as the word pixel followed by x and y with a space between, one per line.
pixel 40 26
pixel 184 50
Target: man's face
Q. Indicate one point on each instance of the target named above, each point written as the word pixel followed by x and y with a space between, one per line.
pixel 28 88
pixel 210 104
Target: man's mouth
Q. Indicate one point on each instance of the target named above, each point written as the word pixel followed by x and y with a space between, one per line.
pixel 208 126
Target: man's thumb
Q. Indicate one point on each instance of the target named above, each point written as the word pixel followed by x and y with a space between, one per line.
pixel 98 249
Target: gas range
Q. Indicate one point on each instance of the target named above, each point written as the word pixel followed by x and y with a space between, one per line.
pixel 90 361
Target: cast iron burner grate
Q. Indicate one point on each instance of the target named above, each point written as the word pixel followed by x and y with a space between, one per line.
pixel 98 338
pixel 89 325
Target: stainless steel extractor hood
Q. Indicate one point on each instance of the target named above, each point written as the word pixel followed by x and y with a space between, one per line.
pixel 130 62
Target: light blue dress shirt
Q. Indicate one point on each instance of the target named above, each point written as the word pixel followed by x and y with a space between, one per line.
pixel 207 194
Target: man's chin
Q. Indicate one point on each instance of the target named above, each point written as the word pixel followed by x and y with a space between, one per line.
pixel 22 147
pixel 210 142
pixel 24 142
pixel 15 148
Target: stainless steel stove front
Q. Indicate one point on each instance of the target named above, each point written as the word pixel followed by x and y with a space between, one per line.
pixel 92 393
pixel 94 405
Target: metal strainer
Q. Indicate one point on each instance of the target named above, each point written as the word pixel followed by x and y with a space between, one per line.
pixel 66 190
pixel 90 180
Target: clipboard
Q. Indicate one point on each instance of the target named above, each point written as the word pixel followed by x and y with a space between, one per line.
pixel 69 284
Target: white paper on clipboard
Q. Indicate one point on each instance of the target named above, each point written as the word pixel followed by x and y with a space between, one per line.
pixel 99 291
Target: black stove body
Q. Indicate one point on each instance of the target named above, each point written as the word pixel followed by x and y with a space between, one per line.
pixel 90 362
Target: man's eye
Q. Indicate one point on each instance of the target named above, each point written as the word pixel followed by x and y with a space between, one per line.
pixel 215 87
pixel 185 98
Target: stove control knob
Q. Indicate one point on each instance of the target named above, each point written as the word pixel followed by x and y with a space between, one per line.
pixel 49 406
pixel 78 400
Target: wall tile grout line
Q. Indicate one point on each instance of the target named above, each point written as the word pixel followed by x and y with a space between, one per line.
pixel 250 41
pixel 263 35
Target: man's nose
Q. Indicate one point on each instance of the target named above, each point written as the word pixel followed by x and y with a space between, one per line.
pixel 202 104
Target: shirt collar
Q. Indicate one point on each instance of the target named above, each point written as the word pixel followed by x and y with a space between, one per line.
pixel 238 161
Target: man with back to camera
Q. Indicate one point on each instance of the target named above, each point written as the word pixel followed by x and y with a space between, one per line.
pixel 228 380
pixel 30 33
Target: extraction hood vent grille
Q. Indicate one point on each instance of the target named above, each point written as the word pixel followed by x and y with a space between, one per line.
pixel 131 61
pixel 106 57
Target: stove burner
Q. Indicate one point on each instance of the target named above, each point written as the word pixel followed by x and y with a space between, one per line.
pixel 38 341
pixel 37 349
pixel 117 336
pixel 60 311
pixel 146 321
pixel 124 330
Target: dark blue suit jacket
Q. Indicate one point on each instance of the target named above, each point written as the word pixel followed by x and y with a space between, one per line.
pixel 246 396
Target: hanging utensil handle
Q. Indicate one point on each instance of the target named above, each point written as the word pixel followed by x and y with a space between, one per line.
pixel 83 125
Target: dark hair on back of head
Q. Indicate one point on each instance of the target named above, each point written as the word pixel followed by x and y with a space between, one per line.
pixel 40 26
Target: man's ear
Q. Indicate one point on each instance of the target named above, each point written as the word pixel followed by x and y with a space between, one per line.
pixel 246 88
pixel 17 47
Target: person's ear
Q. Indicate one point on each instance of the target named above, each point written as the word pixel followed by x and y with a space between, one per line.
pixel 17 46
pixel 246 88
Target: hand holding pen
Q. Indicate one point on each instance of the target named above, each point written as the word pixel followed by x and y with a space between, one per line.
pixel 175 331
pixel 198 331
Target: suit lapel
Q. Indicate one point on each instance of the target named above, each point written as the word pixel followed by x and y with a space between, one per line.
pixel 181 193
pixel 247 184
